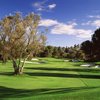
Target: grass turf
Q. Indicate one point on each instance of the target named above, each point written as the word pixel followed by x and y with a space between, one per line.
pixel 53 79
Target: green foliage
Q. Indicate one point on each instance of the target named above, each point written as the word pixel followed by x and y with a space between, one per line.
pixel 62 52
pixel 96 44
pixel 91 48
pixel 87 48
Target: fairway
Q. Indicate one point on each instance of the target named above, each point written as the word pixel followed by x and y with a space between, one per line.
pixel 51 79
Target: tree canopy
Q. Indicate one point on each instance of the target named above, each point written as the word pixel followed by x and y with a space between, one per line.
pixel 20 38
pixel 91 48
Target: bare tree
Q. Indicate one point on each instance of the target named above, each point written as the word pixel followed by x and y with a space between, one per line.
pixel 20 39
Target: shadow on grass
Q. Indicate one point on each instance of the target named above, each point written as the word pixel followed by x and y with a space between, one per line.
pixel 59 74
pixel 66 69
pixel 41 74
pixel 20 93
pixel 7 73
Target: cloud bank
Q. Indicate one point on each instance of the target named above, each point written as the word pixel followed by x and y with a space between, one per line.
pixel 68 29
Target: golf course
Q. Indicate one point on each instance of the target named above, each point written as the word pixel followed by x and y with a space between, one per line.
pixel 50 50
pixel 50 79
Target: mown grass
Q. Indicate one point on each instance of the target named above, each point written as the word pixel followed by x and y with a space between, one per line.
pixel 53 79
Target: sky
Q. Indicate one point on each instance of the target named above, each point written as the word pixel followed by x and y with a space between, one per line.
pixel 68 22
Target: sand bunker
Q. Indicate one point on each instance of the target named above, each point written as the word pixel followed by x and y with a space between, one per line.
pixel 35 59
pixel 29 62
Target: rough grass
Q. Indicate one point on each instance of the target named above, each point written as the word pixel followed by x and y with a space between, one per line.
pixel 53 79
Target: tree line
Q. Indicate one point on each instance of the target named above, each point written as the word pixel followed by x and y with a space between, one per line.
pixel 72 52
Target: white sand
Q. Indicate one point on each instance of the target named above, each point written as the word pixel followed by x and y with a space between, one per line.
pixel 35 59
pixel 97 66
pixel 85 65
pixel 28 62
pixel 66 60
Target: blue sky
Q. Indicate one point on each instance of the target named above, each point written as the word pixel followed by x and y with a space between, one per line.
pixel 69 21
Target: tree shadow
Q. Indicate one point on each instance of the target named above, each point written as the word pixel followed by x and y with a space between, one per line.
pixel 66 75
pixel 63 75
pixel 6 92
pixel 66 69
pixel 7 73
pixel 57 74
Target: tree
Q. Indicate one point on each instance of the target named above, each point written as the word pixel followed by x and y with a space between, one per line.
pixel 60 52
pixel 55 52
pixel 47 52
pixel 19 39
pixel 50 51
pixel 87 48
pixel 96 44
pixel 91 48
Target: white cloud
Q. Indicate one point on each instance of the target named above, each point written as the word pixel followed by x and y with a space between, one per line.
pixel 96 23
pixel 39 5
pixel 81 33
pixel 86 23
pixel 62 28
pixel 43 6
pixel 51 6
pixel 94 16
pixel 68 29
pixel 48 22
pixel 40 9
pixel 71 30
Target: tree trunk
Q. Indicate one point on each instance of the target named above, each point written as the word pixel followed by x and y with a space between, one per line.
pixel 17 70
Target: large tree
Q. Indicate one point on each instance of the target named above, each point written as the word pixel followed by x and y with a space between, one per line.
pixel 91 48
pixel 87 48
pixel 20 39
pixel 96 44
